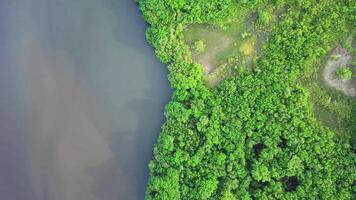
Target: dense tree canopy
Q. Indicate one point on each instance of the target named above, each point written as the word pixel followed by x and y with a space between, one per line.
pixel 254 136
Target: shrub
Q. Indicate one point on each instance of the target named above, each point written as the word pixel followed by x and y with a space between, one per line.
pixel 199 46
pixel 344 73
pixel 264 17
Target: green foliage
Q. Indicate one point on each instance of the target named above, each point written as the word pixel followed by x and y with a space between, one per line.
pixel 185 75
pixel 165 187
pixel 253 136
pixel 199 46
pixel 207 188
pixel 263 17
pixel 344 73
pixel 319 96
pixel 261 173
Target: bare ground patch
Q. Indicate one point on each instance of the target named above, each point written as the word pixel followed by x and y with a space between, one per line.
pixel 208 58
pixel 348 87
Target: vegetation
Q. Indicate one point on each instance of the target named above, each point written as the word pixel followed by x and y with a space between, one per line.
pixel 344 73
pixel 255 135
pixel 263 17
pixel 229 46
pixel 199 46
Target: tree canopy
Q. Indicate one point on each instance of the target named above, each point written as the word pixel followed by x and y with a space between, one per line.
pixel 254 136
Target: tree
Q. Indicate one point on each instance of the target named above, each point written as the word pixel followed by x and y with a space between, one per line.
pixel 206 149
pixel 260 172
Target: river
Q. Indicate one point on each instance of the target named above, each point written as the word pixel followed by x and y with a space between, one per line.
pixel 81 100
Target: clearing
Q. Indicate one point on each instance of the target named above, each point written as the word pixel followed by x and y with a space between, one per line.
pixel 230 47
pixel 227 48
pixel 333 99
pixel 338 59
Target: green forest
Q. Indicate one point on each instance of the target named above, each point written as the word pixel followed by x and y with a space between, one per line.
pixel 250 117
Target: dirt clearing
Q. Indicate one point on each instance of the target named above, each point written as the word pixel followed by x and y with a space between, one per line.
pixel 338 59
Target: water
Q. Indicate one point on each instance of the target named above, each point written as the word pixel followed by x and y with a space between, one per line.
pixel 81 100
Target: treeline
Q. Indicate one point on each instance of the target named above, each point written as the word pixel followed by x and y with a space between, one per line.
pixel 254 136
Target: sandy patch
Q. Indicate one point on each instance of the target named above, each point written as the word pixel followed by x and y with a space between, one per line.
pixel 344 59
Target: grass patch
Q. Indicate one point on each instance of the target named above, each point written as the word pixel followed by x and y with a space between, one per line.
pixel 247 48
pixel 225 48
pixel 332 108
pixel 231 46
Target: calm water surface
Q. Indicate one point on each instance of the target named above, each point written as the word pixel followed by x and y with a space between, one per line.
pixel 81 100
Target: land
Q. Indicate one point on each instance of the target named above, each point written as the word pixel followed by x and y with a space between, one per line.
pixel 333 99
pixel 231 49
pixel 256 112
pixel 228 48
pixel 338 59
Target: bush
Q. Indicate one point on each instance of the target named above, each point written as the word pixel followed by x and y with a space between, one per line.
pixel 199 46
pixel 344 73
pixel 264 17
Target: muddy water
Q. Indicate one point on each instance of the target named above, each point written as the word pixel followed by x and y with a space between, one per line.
pixel 81 102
